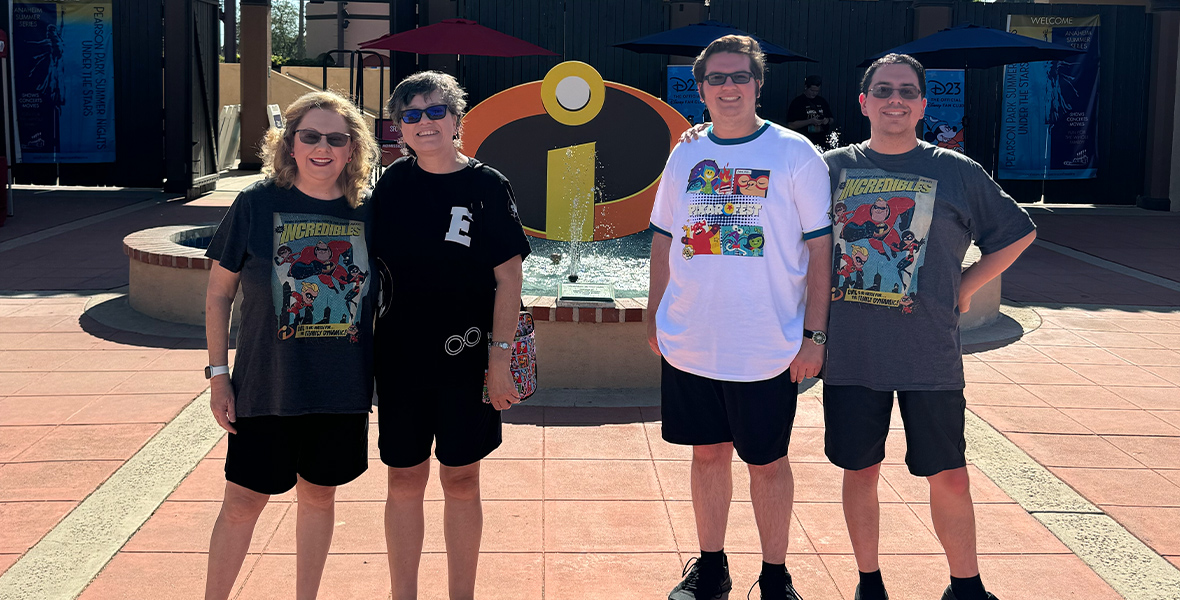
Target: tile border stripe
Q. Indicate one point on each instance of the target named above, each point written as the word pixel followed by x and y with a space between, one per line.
pixel 1128 565
pixel 70 556
pixel 1109 265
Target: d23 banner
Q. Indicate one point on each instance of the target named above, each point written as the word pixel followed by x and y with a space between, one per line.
pixel 683 94
pixel 584 155
pixel 943 123
pixel 1049 126
pixel 63 75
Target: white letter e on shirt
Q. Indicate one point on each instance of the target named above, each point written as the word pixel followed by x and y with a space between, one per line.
pixel 460 222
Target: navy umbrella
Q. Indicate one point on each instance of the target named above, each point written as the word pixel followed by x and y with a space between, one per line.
pixel 691 39
pixel 976 47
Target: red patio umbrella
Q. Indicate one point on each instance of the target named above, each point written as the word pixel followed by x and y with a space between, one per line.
pixel 456 36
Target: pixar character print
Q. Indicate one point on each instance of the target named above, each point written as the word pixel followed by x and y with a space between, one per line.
pixel 725 211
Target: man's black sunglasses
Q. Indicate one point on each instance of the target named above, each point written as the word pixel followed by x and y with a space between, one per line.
pixel 907 92
pixel 413 115
pixel 312 137
pixel 719 78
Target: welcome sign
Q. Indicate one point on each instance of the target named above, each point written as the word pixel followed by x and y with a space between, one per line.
pixel 1048 128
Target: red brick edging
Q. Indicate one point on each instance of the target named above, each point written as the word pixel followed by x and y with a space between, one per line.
pixel 626 310
pixel 159 246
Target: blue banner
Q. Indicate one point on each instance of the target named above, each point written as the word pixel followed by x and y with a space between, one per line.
pixel 1049 126
pixel 943 123
pixel 63 75
pixel 682 93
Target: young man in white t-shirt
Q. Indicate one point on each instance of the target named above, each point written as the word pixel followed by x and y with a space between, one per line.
pixel 739 293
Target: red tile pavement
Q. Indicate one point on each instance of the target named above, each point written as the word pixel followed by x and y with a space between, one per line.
pixel 586 502
pixel 1128 240
pixel 26 522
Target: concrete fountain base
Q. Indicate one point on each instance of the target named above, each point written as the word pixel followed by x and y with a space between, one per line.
pixel 577 348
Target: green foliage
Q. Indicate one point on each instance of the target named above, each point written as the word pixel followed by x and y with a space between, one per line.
pixel 284 28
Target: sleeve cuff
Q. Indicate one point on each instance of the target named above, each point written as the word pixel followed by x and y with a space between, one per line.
pixel 653 227
pixel 811 235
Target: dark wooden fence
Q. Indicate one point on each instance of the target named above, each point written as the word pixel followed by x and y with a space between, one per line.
pixel 839 34
pixel 139 90
pixel 1124 40
pixel 139 98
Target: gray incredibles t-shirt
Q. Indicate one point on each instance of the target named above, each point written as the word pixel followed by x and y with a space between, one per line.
pixel 901 226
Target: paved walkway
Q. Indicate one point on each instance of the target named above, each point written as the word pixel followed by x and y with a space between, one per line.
pixel 590 502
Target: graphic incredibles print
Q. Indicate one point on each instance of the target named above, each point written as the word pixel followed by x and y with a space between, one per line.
pixel 880 224
pixel 725 214
pixel 320 277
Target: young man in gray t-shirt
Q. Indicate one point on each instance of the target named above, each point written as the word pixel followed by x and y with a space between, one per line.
pixel 903 214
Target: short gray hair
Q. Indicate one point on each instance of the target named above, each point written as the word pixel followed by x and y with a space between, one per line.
pixel 425 83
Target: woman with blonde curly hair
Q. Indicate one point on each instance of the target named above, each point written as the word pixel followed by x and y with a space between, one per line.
pixel 297 404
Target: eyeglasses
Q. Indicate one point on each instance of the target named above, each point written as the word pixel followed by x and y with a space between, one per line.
pixel 312 137
pixel 738 78
pixel 907 92
pixel 413 115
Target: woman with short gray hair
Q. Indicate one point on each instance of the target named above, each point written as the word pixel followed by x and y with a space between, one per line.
pixel 446 230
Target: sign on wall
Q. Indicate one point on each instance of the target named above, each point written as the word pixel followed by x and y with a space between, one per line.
pixel 943 123
pixel 63 81
pixel 683 95
pixel 1049 126
pixel 584 155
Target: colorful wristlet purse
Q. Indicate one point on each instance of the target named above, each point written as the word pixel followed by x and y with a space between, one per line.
pixel 524 359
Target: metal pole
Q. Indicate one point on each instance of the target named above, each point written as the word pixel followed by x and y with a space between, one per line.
pixel 231 31
pixel 8 200
pixel 339 24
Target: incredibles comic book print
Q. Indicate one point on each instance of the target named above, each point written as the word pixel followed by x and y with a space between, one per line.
pixel 880 223
pixel 321 275
pixel 725 211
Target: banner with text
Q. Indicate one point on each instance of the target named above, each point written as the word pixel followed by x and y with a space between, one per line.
pixel 943 123
pixel 1049 124
pixel 63 74
pixel 682 93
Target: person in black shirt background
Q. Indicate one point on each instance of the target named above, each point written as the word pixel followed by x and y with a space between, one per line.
pixel 810 114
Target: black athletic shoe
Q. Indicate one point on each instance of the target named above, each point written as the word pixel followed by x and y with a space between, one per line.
pixel 699 584
pixel 949 594
pixel 857 597
pixel 788 593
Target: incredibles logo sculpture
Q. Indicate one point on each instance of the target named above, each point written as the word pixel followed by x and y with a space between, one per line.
pixel 584 155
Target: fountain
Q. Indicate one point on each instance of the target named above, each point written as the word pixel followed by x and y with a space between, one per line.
pixel 584 157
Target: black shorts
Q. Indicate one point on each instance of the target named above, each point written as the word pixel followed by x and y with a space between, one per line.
pixel 462 428
pixel 325 449
pixel 857 423
pixel 756 416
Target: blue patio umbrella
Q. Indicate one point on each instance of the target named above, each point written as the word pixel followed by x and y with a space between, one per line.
pixel 691 39
pixel 977 47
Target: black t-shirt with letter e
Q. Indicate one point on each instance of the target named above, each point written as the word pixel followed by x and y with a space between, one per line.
pixel 437 240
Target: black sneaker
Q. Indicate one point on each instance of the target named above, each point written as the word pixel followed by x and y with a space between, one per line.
pixel 699 584
pixel 789 593
pixel 857 597
pixel 949 594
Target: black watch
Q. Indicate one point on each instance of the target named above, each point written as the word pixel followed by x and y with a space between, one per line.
pixel 820 338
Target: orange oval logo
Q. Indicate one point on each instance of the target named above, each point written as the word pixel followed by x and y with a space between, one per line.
pixel 584 155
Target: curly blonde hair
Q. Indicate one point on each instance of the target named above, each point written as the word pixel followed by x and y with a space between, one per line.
pixel 279 165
